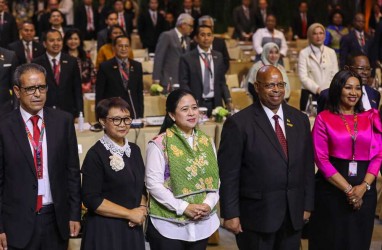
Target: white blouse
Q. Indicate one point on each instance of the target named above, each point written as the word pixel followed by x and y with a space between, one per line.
pixel 194 231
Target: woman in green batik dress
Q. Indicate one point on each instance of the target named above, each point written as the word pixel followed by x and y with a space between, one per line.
pixel 182 179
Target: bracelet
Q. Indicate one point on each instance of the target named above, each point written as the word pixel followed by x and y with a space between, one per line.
pixel 347 190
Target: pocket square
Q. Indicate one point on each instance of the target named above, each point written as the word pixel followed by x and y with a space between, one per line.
pixel 7 65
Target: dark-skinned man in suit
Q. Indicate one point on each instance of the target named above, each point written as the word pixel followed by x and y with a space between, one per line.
pixel 266 169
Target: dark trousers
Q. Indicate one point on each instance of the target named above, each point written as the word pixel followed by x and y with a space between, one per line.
pixel 159 242
pixel 286 238
pixel 45 234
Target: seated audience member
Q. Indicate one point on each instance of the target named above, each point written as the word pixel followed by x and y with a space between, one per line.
pixel 356 41
pixel 317 65
pixel 86 19
pixel 114 190
pixel 269 34
pixel 111 20
pixel 74 46
pixel 335 31
pixel 26 48
pixel 244 21
pixel 8 30
pixel 106 52
pixel 269 56
pixel 63 75
pixel 8 64
pixel 359 64
pixel 301 21
pixel 43 21
pixel 121 76
pixel 211 89
pixel 150 26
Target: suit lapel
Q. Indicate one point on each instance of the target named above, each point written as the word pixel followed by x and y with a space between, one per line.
pixel 292 136
pixel 265 125
pixel 21 138
pixel 116 74
pixel 176 41
pixel 64 67
pixel 22 51
pixel 50 140
pixel 198 67
pixel 48 67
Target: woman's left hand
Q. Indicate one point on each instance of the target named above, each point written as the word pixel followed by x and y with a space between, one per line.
pixel 356 194
pixel 205 211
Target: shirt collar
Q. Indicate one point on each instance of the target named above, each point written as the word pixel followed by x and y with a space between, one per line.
pixel 178 33
pixel 120 61
pixel 270 113
pixel 25 42
pixel 58 57
pixel 202 51
pixel 26 116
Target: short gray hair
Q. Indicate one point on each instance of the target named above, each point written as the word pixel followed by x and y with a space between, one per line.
pixel 183 18
pixel 205 18
pixel 24 68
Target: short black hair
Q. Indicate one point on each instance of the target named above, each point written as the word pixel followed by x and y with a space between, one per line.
pixel 103 107
pixel 203 26
pixel 335 91
pixel 45 34
pixel 111 30
pixel 24 68
pixel 57 10
pixel 119 37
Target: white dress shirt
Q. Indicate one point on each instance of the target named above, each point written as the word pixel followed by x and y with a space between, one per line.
pixel 58 57
pixel 193 231
pixel 262 33
pixel 47 197
pixel 203 67
pixel 270 115
pixel 365 99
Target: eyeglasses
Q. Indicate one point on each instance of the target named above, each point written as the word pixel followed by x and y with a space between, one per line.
pixel 32 89
pixel 118 120
pixel 189 25
pixel 272 85
pixel 362 68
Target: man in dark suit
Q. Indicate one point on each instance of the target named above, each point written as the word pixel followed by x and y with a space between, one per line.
pixel 356 41
pixel 8 27
pixel 261 13
pixel 301 21
pixel 111 20
pixel 125 19
pixel 218 44
pixel 40 203
pixel 370 99
pixel 26 49
pixel 86 19
pixel 8 64
pixel 202 71
pixel 43 22
pixel 244 21
pixel 150 26
pixel 267 169
pixel 63 75
pixel 171 45
pixel 121 76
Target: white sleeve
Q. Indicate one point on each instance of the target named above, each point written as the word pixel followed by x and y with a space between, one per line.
pixel 155 167
pixel 257 37
pixel 284 46
pixel 306 82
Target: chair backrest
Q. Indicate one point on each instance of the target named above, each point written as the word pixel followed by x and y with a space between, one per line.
pixel 140 53
pixel 294 98
pixel 232 81
pixel 155 105
pixel 240 98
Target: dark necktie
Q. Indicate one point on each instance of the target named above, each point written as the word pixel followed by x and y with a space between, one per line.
pixel 207 74
pixel 56 71
pixel 36 137
pixel 304 25
pixel 183 44
pixel 125 75
pixel 28 52
pixel 280 135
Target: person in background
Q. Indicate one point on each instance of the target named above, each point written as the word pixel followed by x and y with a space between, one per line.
pixel 371 97
pixel 261 13
pixel 125 19
pixel 169 21
pixel 269 56
pixel 8 26
pixel 103 9
pixel 113 187
pixel 74 46
pixel 317 65
pixel 335 31
pixel 347 142
pixel 8 64
pixel 86 19
pixel 111 20
pixel 244 21
pixel 301 21
pixel 106 52
pixel 56 20
pixel 375 17
pixel 23 11
pixel 66 8
pixel 182 179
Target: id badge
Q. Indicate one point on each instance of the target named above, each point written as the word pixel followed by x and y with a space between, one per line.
pixel 352 168
pixel 41 187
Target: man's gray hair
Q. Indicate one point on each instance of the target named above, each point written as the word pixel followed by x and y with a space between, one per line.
pixel 205 18
pixel 184 18
pixel 24 68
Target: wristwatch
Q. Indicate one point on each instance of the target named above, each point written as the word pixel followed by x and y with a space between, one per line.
pixel 367 185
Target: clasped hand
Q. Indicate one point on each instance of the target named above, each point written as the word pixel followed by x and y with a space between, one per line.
pixel 355 195
pixel 197 211
pixel 137 216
